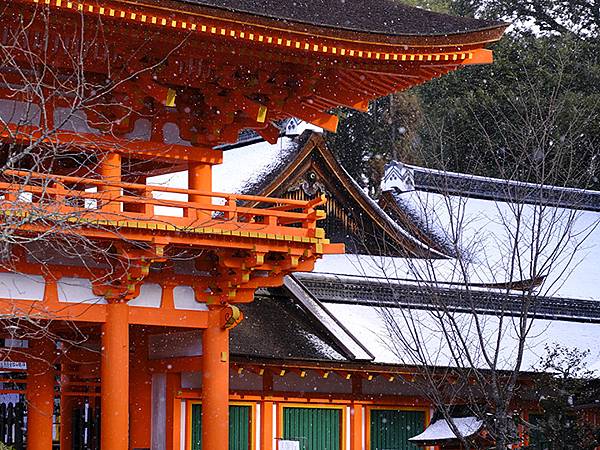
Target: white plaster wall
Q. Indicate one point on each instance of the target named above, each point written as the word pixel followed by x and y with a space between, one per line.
pixel 19 286
pixel 380 385
pixel 185 298
pixel 312 382
pixel 171 135
pixel 150 296
pixel 191 380
pixel 69 120
pixel 237 382
pixel 159 412
pixel 77 290
pixel 17 112
pixel 142 130
pixel 246 381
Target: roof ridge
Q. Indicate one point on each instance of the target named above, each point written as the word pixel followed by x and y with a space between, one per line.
pixel 499 189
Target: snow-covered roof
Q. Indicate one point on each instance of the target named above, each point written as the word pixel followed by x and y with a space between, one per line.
pixel 432 271
pixel 440 430
pixel 506 229
pixel 501 240
pixel 246 167
pixel 389 333
pixel 468 185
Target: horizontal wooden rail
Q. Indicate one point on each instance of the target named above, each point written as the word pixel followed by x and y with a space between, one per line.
pixel 157 188
pixel 57 196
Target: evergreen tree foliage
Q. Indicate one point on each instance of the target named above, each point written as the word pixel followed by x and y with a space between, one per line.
pixel 564 391
pixel 536 107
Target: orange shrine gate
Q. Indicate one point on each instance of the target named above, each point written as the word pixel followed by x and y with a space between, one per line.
pixel 99 96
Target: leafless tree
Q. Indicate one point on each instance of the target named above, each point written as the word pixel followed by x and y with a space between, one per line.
pixel 60 117
pixel 477 313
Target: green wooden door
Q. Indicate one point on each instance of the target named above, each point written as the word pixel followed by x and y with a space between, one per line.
pixel 240 426
pixel 537 439
pixel 315 428
pixel 391 428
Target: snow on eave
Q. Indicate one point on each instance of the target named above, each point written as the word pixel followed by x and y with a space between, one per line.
pixel 566 197
pixel 339 333
pixel 440 430
pixel 391 222
pixel 390 281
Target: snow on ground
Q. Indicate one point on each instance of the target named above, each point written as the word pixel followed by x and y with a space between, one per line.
pixel 390 333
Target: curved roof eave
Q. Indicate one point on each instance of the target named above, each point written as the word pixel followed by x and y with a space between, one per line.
pixel 384 21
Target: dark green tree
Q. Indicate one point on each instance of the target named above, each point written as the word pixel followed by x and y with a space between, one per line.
pixel 565 390
pixel 536 107
pixel 366 141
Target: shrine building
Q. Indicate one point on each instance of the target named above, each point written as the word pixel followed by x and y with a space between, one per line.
pixel 120 294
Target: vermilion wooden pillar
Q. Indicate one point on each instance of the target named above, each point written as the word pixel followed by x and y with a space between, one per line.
pixel 114 372
pixel 110 170
pixel 356 427
pixel 40 395
pixel 173 411
pixel 266 425
pixel 215 384
pixel 140 392
pixel 200 179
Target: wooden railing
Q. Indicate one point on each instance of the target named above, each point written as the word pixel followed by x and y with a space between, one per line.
pixel 30 193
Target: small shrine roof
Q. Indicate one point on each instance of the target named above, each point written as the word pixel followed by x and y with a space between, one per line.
pixel 440 430
pixel 387 17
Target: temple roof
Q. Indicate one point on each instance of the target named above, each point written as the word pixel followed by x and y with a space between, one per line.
pixel 278 169
pixel 388 17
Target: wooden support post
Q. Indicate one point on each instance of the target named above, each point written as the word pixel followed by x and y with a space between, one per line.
pixel 110 170
pixel 66 412
pixel 140 392
pixel 40 395
pixel 266 425
pixel 114 372
pixel 215 384
pixel 200 179
pixel 173 411
pixel 356 426
pixel 66 422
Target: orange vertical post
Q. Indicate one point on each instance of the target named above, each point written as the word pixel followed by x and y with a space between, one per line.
pixel 66 422
pixel 356 427
pixel 215 384
pixel 200 179
pixel 266 425
pixel 114 372
pixel 173 411
pixel 66 412
pixel 110 170
pixel 140 393
pixel 40 395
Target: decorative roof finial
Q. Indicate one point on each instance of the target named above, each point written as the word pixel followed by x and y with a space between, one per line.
pixel 397 177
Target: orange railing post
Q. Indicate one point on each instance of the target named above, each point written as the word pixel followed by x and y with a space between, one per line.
pixel 110 171
pixel 199 179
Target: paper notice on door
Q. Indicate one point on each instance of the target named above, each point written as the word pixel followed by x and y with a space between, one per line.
pixel 288 445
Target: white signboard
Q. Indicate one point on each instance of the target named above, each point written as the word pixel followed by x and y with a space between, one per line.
pixel 288 445
pixel 15 365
